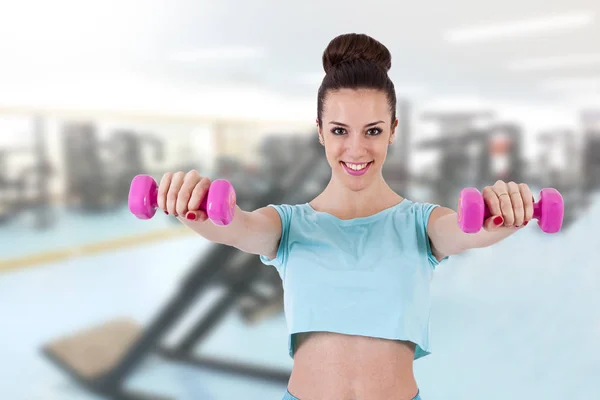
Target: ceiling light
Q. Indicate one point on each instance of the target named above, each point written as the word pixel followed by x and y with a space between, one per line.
pixel 519 28
pixel 218 53
pixel 574 60
pixel 587 84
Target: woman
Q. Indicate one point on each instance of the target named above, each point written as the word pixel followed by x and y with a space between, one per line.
pixel 357 260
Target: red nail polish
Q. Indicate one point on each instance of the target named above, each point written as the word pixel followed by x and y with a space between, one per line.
pixel 190 215
pixel 498 220
pixel 526 222
pixel 166 212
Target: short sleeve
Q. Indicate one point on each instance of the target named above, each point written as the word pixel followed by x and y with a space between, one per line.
pixel 285 213
pixel 423 213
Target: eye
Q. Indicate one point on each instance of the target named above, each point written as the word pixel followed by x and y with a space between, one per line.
pixel 374 132
pixel 338 131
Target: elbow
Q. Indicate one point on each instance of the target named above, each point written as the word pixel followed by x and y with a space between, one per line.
pixel 448 249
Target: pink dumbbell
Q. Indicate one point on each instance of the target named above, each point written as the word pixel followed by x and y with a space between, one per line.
pixel 219 202
pixel 472 210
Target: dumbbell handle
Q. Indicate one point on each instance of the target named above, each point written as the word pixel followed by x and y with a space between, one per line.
pixel 153 198
pixel 537 211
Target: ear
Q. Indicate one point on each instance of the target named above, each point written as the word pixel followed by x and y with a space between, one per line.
pixel 320 132
pixel 393 133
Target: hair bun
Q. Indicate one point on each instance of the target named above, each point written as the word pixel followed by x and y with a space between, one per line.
pixel 356 46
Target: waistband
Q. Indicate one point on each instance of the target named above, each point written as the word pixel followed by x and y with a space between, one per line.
pixel 289 396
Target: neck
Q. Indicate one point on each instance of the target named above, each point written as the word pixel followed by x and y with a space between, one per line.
pixel 341 200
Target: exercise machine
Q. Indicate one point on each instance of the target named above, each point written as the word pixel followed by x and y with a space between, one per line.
pixel 98 172
pixel 560 165
pixel 88 185
pixel 127 153
pixel 591 145
pixel 471 154
pixel 29 190
pixel 396 170
pixel 120 346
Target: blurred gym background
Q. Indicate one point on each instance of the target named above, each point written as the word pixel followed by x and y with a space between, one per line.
pixel 98 304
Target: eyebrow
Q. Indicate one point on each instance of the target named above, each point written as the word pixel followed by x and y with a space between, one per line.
pixel 346 126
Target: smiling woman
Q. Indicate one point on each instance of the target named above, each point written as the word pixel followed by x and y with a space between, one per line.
pixel 355 346
pixel 357 261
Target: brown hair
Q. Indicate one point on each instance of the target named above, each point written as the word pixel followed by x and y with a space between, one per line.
pixel 356 61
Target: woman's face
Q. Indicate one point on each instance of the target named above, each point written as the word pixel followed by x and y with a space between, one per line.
pixel 356 132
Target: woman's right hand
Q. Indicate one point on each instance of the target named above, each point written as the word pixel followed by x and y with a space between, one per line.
pixel 256 232
pixel 180 194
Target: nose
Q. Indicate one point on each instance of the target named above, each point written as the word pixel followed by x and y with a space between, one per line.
pixel 356 146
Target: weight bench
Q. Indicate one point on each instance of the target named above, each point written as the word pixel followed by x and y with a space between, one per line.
pixel 101 358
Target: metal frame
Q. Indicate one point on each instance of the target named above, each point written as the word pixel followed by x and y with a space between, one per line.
pixel 210 270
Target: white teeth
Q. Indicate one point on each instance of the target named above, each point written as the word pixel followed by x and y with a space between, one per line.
pixel 356 167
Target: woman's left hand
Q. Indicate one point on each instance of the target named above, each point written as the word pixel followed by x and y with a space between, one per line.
pixel 510 205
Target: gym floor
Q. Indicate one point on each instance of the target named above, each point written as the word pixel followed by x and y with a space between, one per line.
pixel 520 320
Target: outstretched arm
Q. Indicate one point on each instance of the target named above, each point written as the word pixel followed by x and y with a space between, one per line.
pixel 255 232
pixel 510 205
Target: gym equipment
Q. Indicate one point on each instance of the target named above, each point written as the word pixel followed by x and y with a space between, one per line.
pixel 472 210
pixel 561 166
pixel 249 182
pixel 591 157
pixel 29 191
pixel 396 171
pixel 89 187
pixel 121 346
pixel 9 191
pixel 473 158
pixel 99 172
pixel 219 203
pixel 127 150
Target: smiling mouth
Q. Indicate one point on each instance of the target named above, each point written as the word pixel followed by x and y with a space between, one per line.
pixel 356 169
pixel 356 166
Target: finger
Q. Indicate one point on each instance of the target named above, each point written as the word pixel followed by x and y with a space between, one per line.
pixel 501 190
pixel 174 188
pixel 198 194
pixel 527 197
pixel 517 204
pixel 163 188
pixel 185 192
pixel 198 216
pixel 493 223
pixel 491 200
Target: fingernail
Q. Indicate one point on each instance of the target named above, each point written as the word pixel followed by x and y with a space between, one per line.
pixel 526 222
pixel 190 215
pixel 166 212
pixel 498 220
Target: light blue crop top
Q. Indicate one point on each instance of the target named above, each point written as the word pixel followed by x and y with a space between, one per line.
pixel 366 276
